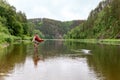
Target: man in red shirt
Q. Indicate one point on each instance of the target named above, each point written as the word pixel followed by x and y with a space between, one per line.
pixel 36 40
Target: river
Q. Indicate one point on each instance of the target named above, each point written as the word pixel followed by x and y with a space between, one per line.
pixel 60 60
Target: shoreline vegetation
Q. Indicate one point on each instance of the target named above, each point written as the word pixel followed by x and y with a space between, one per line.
pixel 13 40
pixel 92 41
pixel 98 41
pixel 102 26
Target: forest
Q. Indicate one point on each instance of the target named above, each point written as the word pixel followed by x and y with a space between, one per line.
pixel 13 24
pixel 103 23
pixel 53 29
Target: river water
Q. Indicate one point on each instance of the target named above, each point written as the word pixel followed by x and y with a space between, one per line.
pixel 60 60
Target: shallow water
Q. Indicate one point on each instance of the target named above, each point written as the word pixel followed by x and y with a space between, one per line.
pixel 60 60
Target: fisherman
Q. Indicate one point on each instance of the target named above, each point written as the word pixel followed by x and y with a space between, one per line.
pixel 36 40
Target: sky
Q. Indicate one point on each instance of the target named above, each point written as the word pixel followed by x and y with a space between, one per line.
pixel 63 10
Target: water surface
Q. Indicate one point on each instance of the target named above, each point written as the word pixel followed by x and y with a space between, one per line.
pixel 60 60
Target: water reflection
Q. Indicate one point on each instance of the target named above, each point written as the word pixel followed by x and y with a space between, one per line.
pixel 59 60
pixel 11 56
pixel 37 57
pixel 105 61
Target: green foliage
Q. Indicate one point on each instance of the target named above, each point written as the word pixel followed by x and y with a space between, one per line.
pixel 3 29
pixel 12 23
pixel 31 28
pixel 52 29
pixel 5 38
pixel 103 22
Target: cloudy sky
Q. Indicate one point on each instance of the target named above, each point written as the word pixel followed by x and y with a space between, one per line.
pixel 63 10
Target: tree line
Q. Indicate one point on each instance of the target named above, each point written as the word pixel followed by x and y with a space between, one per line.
pixel 103 22
pixel 54 29
pixel 13 24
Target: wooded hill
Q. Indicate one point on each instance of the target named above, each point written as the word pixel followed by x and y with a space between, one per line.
pixel 13 24
pixel 103 22
pixel 54 29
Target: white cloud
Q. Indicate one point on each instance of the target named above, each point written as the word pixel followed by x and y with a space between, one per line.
pixel 55 9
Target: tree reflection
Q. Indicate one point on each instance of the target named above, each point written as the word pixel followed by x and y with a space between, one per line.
pixel 13 55
pixel 105 59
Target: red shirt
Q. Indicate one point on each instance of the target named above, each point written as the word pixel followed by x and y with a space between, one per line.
pixel 37 38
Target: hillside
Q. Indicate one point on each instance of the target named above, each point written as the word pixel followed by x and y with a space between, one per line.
pixel 54 29
pixel 103 22
pixel 13 24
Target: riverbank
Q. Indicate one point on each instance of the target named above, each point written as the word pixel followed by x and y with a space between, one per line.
pixel 3 45
pixel 98 41
pixel 94 41
pixel 14 40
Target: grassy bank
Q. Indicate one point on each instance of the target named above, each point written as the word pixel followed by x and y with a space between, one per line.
pixel 6 39
pixel 98 41
pixel 110 41
pixel 10 40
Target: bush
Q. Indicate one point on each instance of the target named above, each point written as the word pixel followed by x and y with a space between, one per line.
pixel 9 40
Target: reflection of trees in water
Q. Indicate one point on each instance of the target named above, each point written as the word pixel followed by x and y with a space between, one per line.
pixel 13 55
pixel 105 61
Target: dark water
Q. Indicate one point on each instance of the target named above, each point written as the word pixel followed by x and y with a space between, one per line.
pixel 60 60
